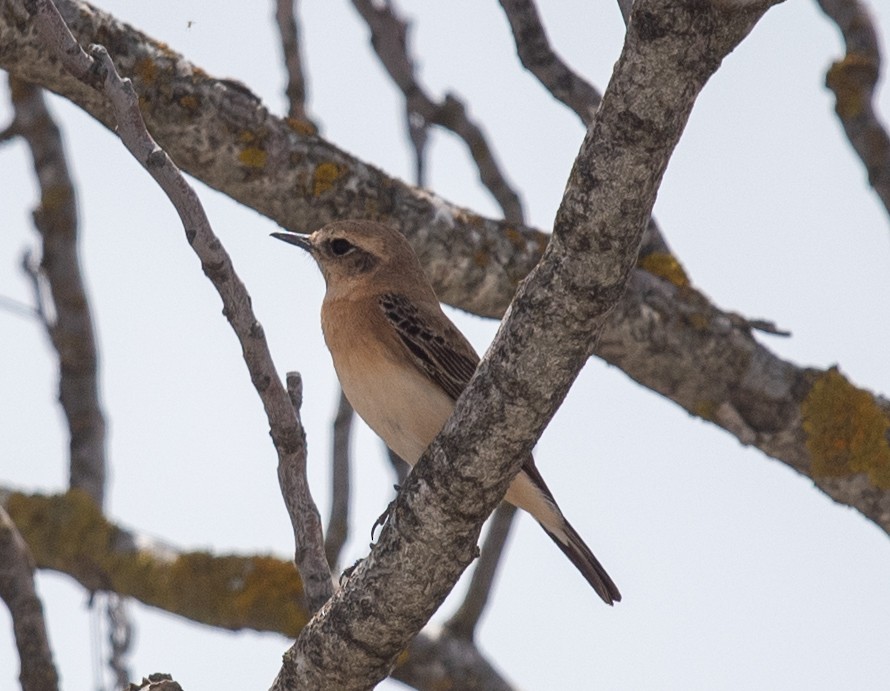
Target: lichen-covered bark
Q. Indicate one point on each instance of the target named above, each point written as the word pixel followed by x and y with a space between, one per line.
pixel 665 335
pixel 38 672
pixel 671 339
pixel 223 135
pixel 670 51
pixel 68 533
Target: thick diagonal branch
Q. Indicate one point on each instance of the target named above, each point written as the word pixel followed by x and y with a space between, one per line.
pixel 671 50
pixel 474 263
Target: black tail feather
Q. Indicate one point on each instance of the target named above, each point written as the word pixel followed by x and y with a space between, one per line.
pixel 581 556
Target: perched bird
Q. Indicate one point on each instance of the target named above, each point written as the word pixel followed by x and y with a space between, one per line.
pixel 402 363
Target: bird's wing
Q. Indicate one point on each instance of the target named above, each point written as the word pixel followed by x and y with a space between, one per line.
pixel 437 348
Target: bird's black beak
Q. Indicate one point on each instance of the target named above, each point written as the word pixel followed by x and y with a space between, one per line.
pixel 294 239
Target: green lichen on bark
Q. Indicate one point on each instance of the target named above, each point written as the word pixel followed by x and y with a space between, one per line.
pixel 68 533
pixel 846 430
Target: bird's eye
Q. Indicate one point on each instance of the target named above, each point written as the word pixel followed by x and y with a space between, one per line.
pixel 339 247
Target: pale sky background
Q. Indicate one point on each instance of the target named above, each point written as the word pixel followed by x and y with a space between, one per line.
pixel 736 573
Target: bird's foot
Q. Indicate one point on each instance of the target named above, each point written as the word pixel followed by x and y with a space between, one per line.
pixel 347 572
pixel 382 518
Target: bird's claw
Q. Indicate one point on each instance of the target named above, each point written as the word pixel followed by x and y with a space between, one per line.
pixel 382 518
pixel 347 572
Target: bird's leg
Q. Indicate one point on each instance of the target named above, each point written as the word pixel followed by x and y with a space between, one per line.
pixel 382 518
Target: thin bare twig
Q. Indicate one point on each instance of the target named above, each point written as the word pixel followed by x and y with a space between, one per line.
pixel 568 87
pixel 625 6
pixel 38 672
pixel 98 70
pixel 853 80
pixel 338 524
pixel 464 621
pixel 418 133
pixel 308 535
pixel 390 42
pixel 541 60
pixel 14 306
pixel 289 30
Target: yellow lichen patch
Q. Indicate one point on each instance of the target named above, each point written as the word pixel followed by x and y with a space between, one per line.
pixel 253 157
pixel 326 174
pixel 228 591
pixel 666 266
pixel 68 533
pixel 61 529
pixel 302 127
pixel 246 137
pixel 851 79
pixel 846 431
pixel 146 69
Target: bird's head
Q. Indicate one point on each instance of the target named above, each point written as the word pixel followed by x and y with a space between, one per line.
pixel 359 255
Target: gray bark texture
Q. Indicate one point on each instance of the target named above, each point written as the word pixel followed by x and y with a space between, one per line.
pixel 670 51
pixel 38 672
pixel 663 333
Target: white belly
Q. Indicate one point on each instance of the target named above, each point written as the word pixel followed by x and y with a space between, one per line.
pixel 401 405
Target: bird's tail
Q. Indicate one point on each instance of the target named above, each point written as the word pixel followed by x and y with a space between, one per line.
pixel 580 555
pixel 530 493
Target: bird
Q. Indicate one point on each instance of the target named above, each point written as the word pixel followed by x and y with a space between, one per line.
pixel 402 363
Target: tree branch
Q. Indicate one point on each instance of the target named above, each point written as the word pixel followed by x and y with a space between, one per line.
pixel 309 555
pixel 541 60
pixel 671 50
pixel 70 535
pixel 98 70
pixel 474 263
pixel 464 621
pixel 38 672
pixel 571 89
pixel 853 80
pixel 389 38
pixel 289 29
pixel 338 523
pixel 70 328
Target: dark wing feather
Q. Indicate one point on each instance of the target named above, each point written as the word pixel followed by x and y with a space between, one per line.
pixel 447 358
pixel 450 361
